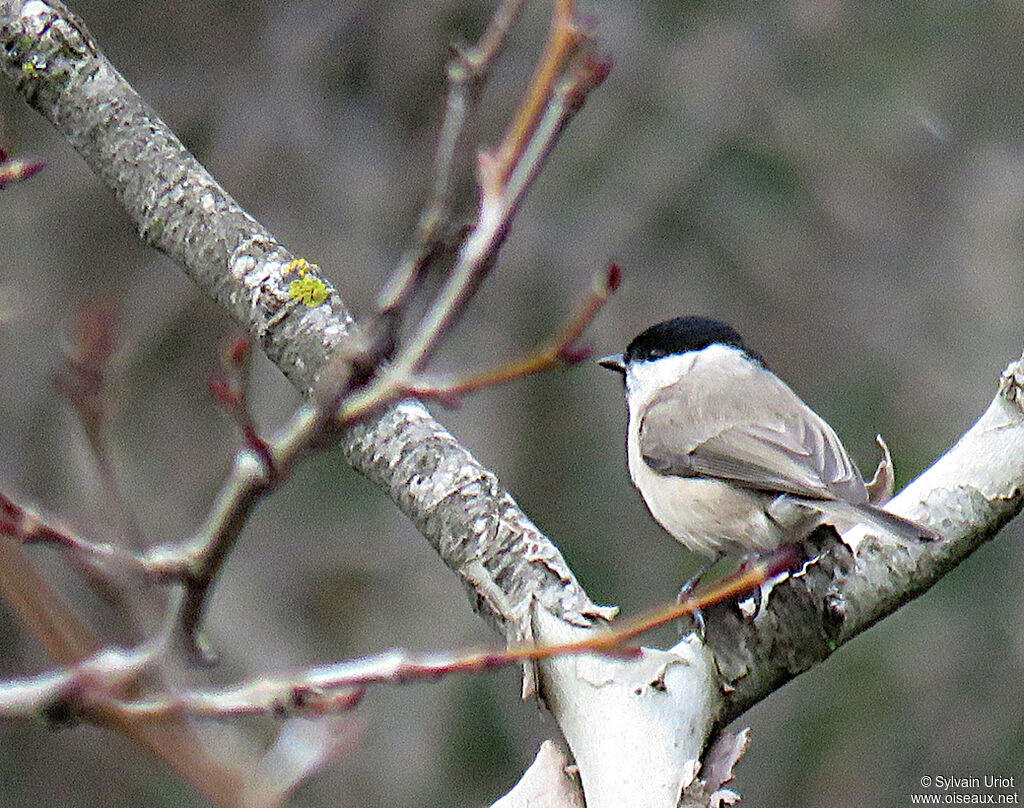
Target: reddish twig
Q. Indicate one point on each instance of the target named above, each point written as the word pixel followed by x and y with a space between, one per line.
pixel 563 39
pixel 230 389
pixel 28 526
pixel 564 348
pixel 467 71
pixel 84 382
pixel 334 687
pixel 14 170
pixel 498 205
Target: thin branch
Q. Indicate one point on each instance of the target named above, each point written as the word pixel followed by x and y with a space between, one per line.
pixel 499 203
pixel 255 473
pixel 562 349
pixel 84 381
pixel 498 206
pixel 94 679
pixel 467 71
pixel 500 196
pixel 563 39
pixel 336 687
pixel 18 169
pixel 30 526
pixel 68 640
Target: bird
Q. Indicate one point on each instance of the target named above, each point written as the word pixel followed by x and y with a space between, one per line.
pixel 727 458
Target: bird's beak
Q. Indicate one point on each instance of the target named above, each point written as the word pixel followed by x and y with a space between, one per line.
pixel 613 362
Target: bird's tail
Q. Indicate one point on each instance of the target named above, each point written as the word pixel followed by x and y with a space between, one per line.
pixel 905 529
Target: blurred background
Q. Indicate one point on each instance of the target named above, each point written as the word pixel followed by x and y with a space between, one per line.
pixel 844 182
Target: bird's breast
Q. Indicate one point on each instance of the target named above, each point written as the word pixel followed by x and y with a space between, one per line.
pixel 706 515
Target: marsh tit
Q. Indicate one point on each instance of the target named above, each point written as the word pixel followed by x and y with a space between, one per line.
pixel 725 455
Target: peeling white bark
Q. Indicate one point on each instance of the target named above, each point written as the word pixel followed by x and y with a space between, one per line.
pixel 546 784
pixel 636 727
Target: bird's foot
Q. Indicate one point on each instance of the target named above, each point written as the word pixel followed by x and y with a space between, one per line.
pixel 687 589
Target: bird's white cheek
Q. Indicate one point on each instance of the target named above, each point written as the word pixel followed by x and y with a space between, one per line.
pixel 645 379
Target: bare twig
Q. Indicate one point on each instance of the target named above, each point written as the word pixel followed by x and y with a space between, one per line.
pixel 29 526
pixel 467 71
pixel 255 472
pixel 499 203
pixel 563 349
pixel 84 382
pixel 499 195
pixel 563 39
pixel 230 389
pixel 320 689
pixel 498 206
pixel 71 691
pixel 14 170
pixel 68 640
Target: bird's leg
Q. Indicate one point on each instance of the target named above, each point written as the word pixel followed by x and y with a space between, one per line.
pixel 746 562
pixel 785 557
pixel 687 589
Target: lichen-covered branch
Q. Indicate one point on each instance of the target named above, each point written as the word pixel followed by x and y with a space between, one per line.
pixel 175 204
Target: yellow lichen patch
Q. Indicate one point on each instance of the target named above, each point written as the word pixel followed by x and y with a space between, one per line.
pixel 308 289
pixel 311 291
pixel 301 266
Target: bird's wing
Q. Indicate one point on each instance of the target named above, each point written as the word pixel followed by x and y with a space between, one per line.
pixel 696 429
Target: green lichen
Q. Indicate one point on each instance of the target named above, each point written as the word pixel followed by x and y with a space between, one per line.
pixel 309 290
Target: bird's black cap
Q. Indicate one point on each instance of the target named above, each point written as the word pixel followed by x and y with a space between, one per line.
pixel 684 334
